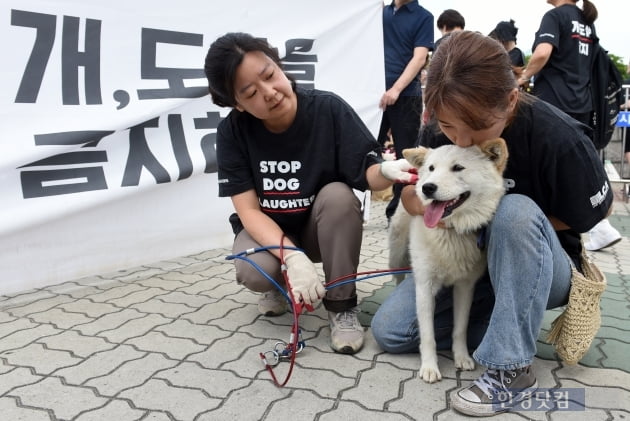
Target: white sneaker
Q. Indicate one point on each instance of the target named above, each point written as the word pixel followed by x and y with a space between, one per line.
pixel 272 303
pixel 346 333
pixel 601 236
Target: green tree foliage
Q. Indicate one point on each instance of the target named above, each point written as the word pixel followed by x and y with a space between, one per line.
pixel 623 69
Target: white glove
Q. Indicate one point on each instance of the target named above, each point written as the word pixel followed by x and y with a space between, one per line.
pixel 400 171
pixel 305 283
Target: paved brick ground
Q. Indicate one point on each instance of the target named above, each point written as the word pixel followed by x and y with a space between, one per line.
pixel 179 340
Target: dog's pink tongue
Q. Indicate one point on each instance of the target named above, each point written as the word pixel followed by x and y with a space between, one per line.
pixel 433 213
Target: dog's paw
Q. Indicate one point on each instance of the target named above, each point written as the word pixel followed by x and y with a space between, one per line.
pixel 429 373
pixel 464 362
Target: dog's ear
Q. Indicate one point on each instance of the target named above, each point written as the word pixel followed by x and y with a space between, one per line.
pixel 497 151
pixel 415 156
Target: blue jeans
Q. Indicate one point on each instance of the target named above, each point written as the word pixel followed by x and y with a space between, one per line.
pixel 528 272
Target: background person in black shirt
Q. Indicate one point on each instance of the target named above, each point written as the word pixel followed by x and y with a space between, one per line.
pixel 561 62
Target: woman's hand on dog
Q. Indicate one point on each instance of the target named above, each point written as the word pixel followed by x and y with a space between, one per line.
pixel 399 171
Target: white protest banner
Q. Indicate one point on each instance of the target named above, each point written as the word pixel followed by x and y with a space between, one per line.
pixel 107 151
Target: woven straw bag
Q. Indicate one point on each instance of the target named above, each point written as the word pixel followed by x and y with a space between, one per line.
pixel 573 331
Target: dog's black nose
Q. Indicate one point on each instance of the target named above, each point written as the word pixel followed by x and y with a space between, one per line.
pixel 429 189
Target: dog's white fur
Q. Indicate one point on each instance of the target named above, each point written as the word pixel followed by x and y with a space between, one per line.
pixel 449 253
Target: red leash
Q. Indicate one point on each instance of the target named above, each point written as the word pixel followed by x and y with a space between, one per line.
pixel 295 344
pixel 293 347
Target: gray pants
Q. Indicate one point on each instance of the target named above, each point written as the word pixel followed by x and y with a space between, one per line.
pixel 332 236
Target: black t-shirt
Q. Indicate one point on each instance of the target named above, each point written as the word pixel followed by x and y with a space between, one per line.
pixel 553 161
pixel 564 81
pixel 517 58
pixel 327 142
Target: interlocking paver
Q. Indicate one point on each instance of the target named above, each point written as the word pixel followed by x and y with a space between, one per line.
pixel 286 407
pixel 23 337
pixel 15 377
pixel 210 268
pixel 343 365
pixel 324 382
pixel 76 343
pixel 63 400
pixel 226 314
pixel 157 416
pixel 40 358
pixel 60 318
pixel 118 291
pixel 352 411
pixel 134 328
pixel 166 309
pixel 130 374
pixel 109 321
pixel 616 398
pixel 14 325
pixel 199 333
pixel 79 289
pixel 5 318
pixel 10 410
pixel 191 300
pixel 216 383
pixel 137 274
pixel 248 403
pixel 181 403
pixel 415 393
pixel 176 348
pixel 89 307
pixel 369 391
pixel 589 415
pixel 99 364
pixel 24 298
pixel 116 409
pixel 162 283
pixel 232 348
pixel 137 297
pixel 596 377
pixel 39 305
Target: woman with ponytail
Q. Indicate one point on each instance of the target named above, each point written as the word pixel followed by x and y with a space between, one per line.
pixel 561 67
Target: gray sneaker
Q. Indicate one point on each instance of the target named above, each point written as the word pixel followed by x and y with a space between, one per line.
pixel 346 333
pixel 272 303
pixel 495 391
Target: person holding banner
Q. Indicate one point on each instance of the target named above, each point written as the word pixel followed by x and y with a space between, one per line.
pixel 289 159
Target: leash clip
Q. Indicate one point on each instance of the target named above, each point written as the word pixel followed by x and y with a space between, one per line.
pixel 273 355
pixel 284 350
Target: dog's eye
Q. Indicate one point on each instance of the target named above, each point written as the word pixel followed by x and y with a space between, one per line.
pixel 457 168
pixel 431 168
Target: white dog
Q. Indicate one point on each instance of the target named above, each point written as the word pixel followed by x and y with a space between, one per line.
pixel 460 189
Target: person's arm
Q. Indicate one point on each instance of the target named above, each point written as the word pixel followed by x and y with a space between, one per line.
pixel 376 180
pixel 537 61
pixel 411 71
pixel 410 201
pixel 558 225
pixel 380 176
